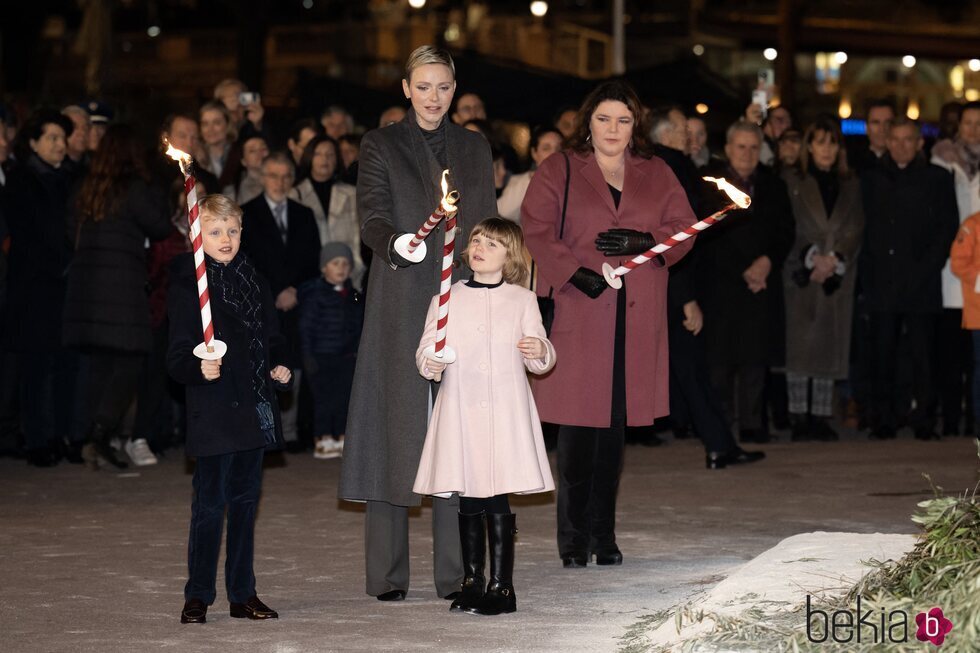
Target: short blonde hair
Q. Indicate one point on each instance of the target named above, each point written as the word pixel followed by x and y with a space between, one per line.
pixel 516 268
pixel 425 55
pixel 218 207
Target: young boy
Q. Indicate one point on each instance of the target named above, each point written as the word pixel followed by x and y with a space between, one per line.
pixel 232 415
pixel 331 314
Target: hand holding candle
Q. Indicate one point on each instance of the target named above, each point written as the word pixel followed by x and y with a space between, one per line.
pixel 411 247
pixel 739 201
pixel 211 349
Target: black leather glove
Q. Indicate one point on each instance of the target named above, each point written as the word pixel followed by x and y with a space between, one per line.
pixel 395 257
pixel 624 242
pixel 831 285
pixel 589 282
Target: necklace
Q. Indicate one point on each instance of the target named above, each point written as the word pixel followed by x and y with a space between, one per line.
pixel 612 173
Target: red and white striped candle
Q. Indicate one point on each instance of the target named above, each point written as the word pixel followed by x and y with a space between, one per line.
pixel 445 286
pixel 412 247
pixel 739 201
pixel 210 345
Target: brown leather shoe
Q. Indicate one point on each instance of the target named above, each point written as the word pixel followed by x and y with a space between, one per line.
pixel 195 612
pixel 253 609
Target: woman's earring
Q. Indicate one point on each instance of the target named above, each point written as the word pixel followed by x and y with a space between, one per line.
pixel 589 137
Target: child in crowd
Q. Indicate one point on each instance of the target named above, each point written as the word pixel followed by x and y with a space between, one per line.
pixel 484 439
pixel 232 415
pixel 964 259
pixel 330 319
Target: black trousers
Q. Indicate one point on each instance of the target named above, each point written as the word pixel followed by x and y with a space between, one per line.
pixel 954 357
pixel 742 390
pixel 154 409
pixel 47 395
pixel 232 481
pixel 113 379
pixel 693 399
pixel 914 334
pixel 331 386
pixel 590 461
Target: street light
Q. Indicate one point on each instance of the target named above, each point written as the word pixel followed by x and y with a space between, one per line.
pixel 840 58
pixel 770 54
pixel 701 108
pixel 698 49
pixel 153 31
pixel 416 4
pixel 974 65
pixel 539 8
pixel 908 61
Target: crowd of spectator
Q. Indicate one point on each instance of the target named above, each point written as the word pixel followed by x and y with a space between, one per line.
pixel 831 300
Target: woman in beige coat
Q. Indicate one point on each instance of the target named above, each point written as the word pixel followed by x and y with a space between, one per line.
pixel 484 439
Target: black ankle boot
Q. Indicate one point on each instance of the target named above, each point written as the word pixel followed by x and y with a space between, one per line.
pixel 473 539
pixel 100 437
pixel 499 597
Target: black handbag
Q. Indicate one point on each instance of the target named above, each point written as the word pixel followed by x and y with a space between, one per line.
pixel 547 304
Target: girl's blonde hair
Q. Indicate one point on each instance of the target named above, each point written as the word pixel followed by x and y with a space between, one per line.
pixel 517 268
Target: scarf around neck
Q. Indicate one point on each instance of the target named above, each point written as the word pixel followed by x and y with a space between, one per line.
pixel 236 286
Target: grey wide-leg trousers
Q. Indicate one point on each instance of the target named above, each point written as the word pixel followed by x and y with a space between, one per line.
pixel 386 547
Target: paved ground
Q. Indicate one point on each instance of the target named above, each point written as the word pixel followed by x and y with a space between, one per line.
pixel 93 561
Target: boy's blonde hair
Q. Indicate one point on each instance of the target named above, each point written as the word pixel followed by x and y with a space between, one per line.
pixel 218 207
pixel 517 268
pixel 428 54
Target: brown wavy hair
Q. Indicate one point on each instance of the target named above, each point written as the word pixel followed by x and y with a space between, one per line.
pixel 119 161
pixel 618 91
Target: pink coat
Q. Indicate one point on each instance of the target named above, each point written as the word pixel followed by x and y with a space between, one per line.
pixel 484 437
pixel 579 390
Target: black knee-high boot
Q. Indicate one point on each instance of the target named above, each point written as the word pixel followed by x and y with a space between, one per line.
pixel 473 540
pixel 499 597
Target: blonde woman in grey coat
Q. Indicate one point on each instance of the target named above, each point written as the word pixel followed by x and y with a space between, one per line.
pixel 820 274
pixel 397 189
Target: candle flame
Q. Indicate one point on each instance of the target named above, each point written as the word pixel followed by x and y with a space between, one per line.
pixel 741 199
pixel 449 199
pixel 183 158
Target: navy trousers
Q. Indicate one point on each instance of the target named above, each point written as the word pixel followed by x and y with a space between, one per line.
pixel 232 481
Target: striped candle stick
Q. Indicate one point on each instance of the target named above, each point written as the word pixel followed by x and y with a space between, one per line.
pixel 739 201
pixel 445 285
pixel 210 348
pixel 412 246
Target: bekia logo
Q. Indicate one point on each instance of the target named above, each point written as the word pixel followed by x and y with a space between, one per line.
pixel 933 626
pixel 874 626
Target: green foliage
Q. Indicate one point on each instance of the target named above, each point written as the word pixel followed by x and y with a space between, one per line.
pixel 942 570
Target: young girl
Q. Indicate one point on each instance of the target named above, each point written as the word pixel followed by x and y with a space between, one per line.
pixel 484 439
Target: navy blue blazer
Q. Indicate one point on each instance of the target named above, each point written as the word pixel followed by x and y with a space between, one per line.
pixel 221 415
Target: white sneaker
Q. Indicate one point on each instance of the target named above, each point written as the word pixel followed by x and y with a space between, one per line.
pixel 139 451
pixel 327 448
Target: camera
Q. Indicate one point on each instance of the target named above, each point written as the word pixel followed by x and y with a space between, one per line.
pixel 248 98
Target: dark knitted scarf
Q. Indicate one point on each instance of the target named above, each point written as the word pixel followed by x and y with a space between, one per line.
pixel 236 286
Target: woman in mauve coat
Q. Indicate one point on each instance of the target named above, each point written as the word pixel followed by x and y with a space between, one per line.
pixel 613 371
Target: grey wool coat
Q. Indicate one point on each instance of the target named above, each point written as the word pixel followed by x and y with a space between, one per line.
pixel 397 189
pixel 818 326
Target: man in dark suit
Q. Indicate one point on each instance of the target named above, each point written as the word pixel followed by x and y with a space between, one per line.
pixel 281 238
pixel 910 222
pixel 740 281
pixel 693 400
